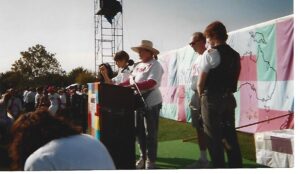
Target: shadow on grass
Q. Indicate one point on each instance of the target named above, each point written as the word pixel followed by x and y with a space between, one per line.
pixel 173 163
pixel 254 166
pixel 182 163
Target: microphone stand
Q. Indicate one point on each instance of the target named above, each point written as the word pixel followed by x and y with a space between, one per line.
pixel 139 92
pixel 142 110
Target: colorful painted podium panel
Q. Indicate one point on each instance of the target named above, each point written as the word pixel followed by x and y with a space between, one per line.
pixel 93 110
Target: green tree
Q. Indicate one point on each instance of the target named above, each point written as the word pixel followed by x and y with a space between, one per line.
pixel 81 76
pixel 74 73
pixel 37 62
pixel 84 78
pixel 11 79
pixel 50 79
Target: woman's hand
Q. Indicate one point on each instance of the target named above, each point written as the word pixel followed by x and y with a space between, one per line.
pixel 103 70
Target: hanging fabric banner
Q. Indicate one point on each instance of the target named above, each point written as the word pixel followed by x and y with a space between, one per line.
pixel 266 82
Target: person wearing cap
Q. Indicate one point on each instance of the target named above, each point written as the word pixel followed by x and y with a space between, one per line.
pixel 198 42
pixel 122 61
pixel 218 78
pixel 147 75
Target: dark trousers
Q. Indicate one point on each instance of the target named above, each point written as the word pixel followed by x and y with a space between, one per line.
pixel 147 130
pixel 218 113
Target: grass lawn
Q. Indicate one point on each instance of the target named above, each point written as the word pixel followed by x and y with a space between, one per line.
pixel 171 134
pixel 173 130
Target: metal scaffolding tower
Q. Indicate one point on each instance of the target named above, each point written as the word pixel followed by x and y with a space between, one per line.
pixel 108 37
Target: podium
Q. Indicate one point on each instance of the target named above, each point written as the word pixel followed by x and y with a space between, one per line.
pixel 117 130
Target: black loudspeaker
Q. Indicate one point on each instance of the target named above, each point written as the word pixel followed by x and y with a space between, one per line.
pixel 117 131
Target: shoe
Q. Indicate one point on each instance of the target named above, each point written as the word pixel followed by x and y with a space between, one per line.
pixel 198 164
pixel 140 164
pixel 150 165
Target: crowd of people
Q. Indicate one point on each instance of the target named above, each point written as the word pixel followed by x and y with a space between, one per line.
pixel 214 80
pixel 72 101
pixel 38 121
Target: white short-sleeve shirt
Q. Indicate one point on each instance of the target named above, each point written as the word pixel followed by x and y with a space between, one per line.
pixel 211 59
pixel 146 71
pixel 36 98
pixel 54 102
pixel 54 98
pixel 121 77
pixel 77 152
pixel 195 72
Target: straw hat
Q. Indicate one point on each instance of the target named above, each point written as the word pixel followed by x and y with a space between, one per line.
pixel 146 44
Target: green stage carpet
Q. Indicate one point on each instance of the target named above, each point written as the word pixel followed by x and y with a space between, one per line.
pixel 176 154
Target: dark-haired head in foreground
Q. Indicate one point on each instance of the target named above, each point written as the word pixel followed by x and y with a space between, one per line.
pixel 32 131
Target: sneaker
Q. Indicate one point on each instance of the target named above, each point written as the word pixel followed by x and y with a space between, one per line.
pixel 150 165
pixel 140 164
pixel 198 164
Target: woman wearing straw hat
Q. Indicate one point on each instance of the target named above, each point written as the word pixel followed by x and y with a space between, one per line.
pixel 147 75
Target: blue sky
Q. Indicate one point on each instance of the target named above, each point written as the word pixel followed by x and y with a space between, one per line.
pixel 66 27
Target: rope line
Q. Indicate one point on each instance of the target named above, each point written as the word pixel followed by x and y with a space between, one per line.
pixel 251 124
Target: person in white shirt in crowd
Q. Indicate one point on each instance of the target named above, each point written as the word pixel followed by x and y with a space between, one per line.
pixel 147 75
pixel 29 100
pixel 25 93
pixel 43 142
pixel 78 90
pixel 198 43
pixel 62 97
pixel 54 100
pixel 38 96
pixel 123 62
